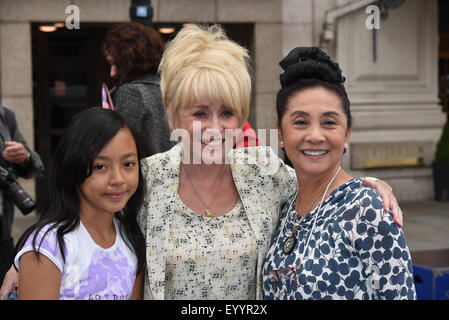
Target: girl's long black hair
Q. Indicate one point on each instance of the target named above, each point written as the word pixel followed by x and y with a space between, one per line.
pixel 87 134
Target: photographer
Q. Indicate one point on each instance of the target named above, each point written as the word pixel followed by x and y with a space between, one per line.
pixel 16 160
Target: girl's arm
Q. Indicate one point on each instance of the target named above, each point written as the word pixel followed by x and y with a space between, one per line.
pixel 39 278
pixel 138 287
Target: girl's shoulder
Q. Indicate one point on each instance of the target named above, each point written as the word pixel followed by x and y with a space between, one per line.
pixel 44 240
pixel 44 236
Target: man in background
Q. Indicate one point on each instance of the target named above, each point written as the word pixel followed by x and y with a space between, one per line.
pixel 16 160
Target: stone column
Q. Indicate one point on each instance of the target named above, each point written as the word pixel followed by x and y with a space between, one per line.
pixel 16 80
pixel 394 100
pixel 297 24
pixel 267 47
pixel 273 40
pixel 16 69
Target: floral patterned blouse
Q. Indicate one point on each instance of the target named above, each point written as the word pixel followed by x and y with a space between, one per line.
pixel 210 258
pixel 356 251
pixel 263 183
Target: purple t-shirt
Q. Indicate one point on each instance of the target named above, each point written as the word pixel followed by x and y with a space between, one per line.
pixel 89 272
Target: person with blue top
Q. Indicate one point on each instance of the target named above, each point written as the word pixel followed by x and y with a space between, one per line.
pixel 334 239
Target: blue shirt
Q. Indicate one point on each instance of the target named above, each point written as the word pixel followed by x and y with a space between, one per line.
pixel 356 251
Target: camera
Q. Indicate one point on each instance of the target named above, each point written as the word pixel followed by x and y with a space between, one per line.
pixel 15 192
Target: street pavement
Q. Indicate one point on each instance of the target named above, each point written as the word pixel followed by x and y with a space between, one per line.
pixel 426 225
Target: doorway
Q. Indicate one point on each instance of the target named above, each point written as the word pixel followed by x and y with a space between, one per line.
pixel 68 69
pixel 443 54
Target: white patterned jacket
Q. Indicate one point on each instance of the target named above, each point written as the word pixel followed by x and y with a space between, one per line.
pixel 263 183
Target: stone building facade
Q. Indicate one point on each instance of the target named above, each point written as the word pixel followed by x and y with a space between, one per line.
pixel 397 119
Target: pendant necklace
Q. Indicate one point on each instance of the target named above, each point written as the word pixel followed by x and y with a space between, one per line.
pixel 207 212
pixel 290 242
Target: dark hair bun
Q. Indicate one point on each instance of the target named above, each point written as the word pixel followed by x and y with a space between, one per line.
pixel 309 63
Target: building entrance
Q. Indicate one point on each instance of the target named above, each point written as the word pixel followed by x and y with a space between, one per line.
pixel 68 69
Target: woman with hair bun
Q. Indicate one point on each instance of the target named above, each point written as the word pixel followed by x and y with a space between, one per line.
pixel 334 240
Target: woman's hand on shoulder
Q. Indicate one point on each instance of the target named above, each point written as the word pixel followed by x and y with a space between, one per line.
pixel 388 198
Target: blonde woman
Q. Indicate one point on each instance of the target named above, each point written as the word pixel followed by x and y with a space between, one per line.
pixel 210 212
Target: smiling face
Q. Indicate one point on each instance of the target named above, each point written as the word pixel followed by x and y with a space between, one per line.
pixel 314 129
pixel 206 124
pixel 114 178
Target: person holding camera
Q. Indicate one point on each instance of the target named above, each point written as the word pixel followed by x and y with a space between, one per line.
pixel 16 160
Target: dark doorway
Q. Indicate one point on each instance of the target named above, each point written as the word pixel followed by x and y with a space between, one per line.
pixel 443 54
pixel 68 69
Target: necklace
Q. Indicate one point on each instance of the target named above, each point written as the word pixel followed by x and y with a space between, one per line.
pixel 207 212
pixel 290 242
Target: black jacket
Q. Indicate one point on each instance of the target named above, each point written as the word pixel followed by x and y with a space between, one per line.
pixel 140 103
pixel 10 131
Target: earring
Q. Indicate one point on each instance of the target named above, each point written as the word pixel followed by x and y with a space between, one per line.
pixel 282 146
pixel 346 147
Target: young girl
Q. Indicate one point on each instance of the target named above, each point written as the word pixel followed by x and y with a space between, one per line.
pixel 87 243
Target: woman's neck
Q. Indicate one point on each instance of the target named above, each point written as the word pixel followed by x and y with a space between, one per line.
pixel 205 171
pixel 312 187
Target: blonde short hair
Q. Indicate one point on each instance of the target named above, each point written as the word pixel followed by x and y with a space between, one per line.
pixel 202 63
